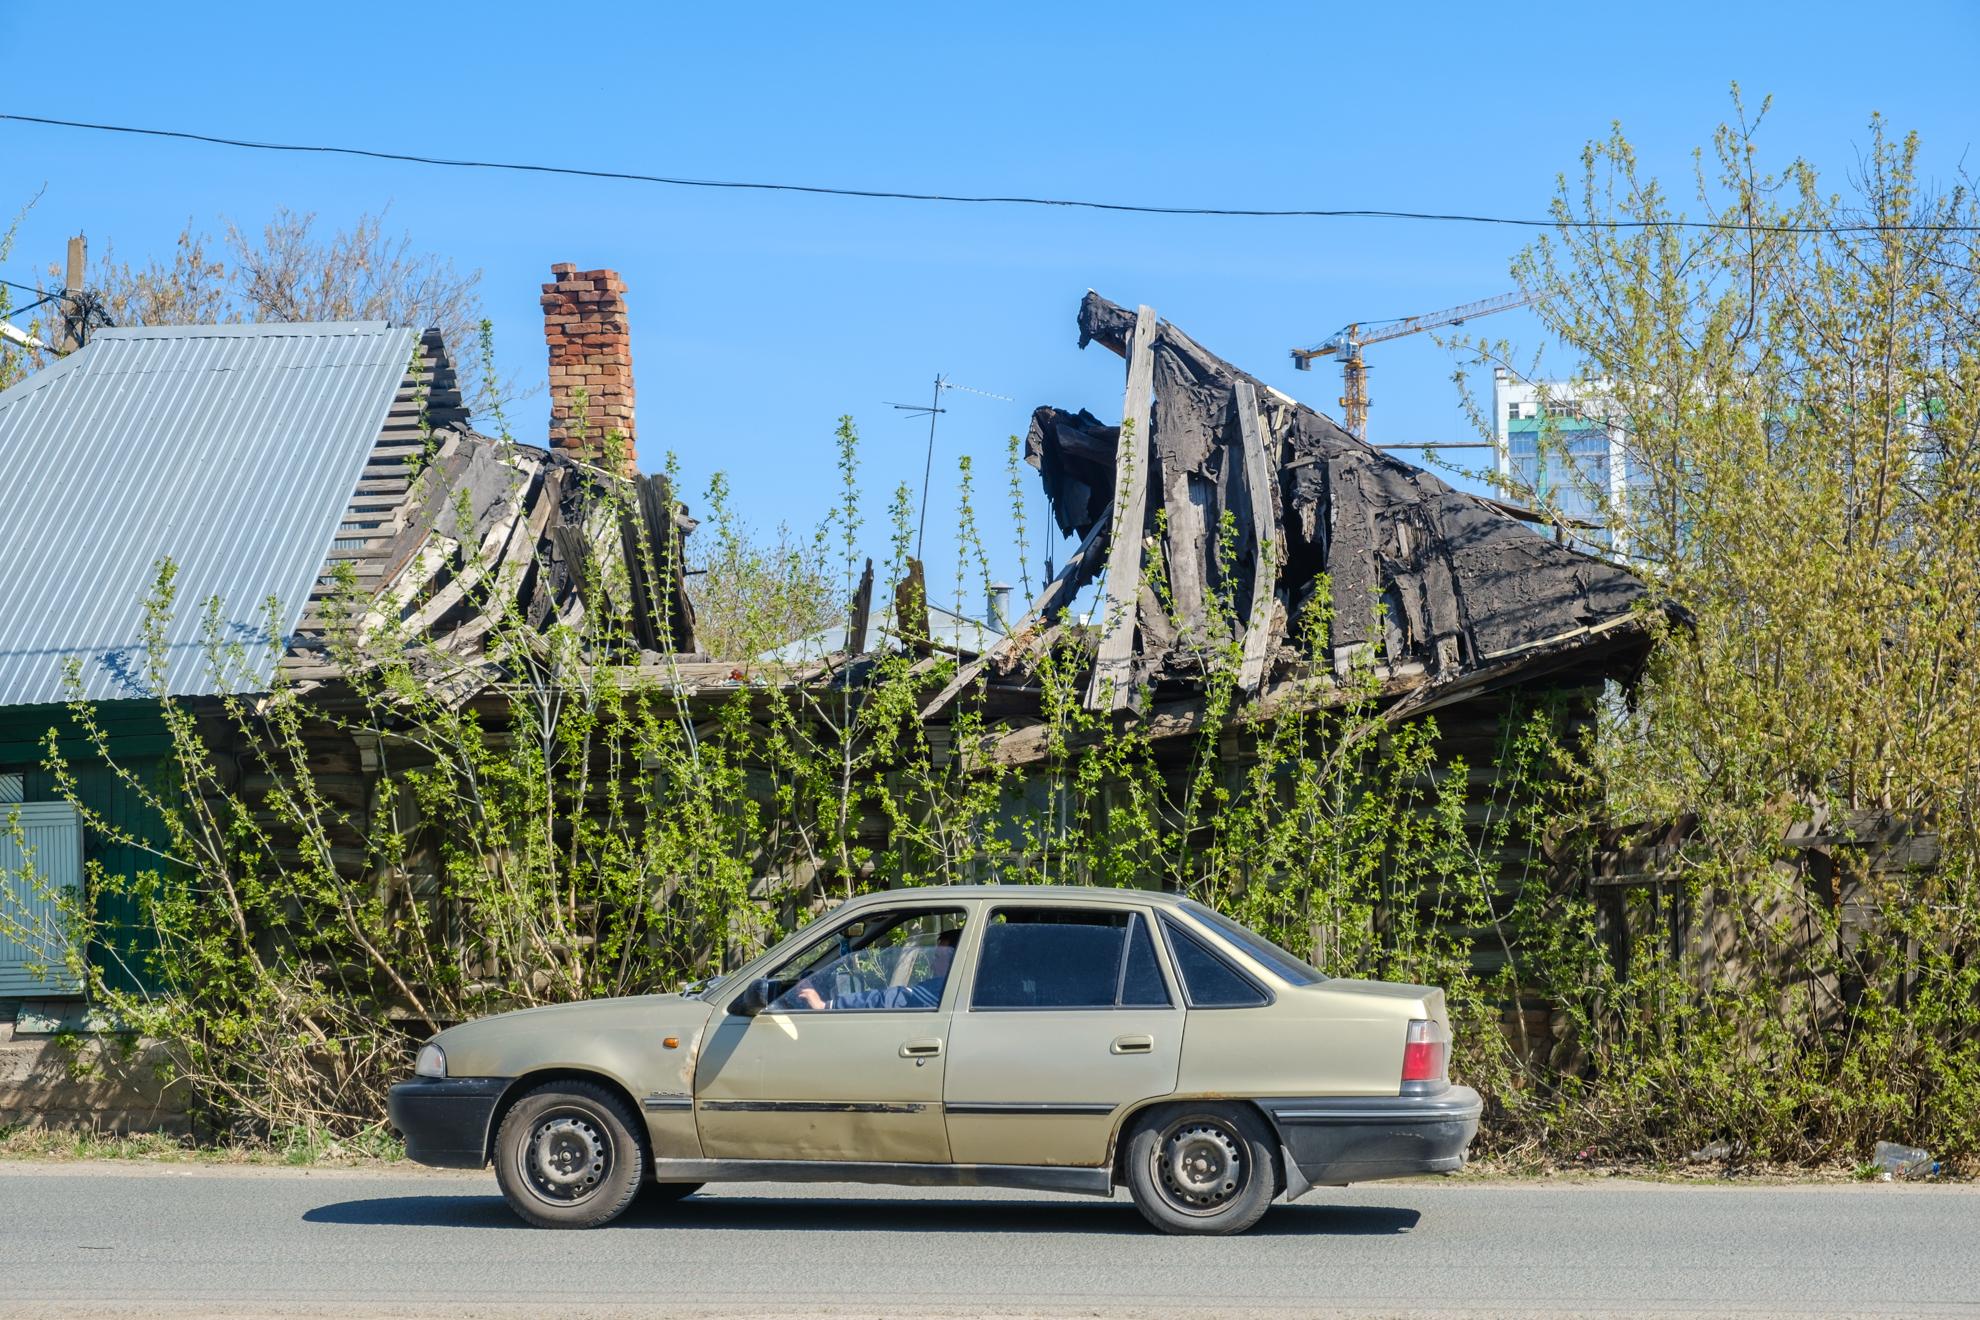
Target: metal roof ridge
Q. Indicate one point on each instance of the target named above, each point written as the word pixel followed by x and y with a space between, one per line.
pixel 262 329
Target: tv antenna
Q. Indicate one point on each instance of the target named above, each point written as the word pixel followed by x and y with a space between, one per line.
pixel 932 410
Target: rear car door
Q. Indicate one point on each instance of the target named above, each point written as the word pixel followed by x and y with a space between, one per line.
pixel 846 1063
pixel 1070 1015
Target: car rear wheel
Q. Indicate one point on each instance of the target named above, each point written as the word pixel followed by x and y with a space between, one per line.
pixel 568 1155
pixel 1201 1168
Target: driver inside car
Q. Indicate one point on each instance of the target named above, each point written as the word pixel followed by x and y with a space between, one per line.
pixel 922 988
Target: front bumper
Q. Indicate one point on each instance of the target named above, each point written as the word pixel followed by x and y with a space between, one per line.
pixel 444 1120
pixel 1335 1140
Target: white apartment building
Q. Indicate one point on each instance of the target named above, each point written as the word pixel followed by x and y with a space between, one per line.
pixel 1582 462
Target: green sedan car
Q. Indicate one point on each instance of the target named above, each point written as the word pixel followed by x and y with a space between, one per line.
pixel 1063 1039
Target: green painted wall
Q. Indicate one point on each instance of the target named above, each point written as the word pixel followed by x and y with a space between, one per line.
pixel 139 743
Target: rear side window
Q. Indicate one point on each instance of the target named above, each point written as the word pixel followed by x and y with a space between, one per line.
pixel 1208 980
pixel 1067 958
pixel 1142 985
pixel 1296 971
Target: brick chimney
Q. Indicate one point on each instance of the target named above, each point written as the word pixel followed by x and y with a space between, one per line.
pixel 584 323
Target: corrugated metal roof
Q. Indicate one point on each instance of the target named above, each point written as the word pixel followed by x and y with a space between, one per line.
pixel 946 628
pixel 232 450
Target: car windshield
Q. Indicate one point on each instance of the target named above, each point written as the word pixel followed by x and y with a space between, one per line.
pixel 1296 971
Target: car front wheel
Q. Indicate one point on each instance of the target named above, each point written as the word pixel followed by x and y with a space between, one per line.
pixel 568 1155
pixel 1201 1168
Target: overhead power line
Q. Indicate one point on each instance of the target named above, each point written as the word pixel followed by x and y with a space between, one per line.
pixel 1070 203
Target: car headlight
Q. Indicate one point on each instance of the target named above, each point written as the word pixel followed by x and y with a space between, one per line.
pixel 432 1061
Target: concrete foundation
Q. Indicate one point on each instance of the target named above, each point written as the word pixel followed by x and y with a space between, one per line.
pixel 104 1083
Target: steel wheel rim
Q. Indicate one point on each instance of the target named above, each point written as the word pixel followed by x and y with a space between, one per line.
pixel 566 1157
pixel 1201 1167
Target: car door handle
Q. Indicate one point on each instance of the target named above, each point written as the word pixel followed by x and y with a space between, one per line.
pixel 1133 1045
pixel 922 1049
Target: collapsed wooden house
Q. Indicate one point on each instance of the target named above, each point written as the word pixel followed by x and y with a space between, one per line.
pixel 333 470
pixel 1246 516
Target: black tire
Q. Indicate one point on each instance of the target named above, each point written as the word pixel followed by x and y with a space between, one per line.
pixel 569 1155
pixel 666 1193
pixel 1205 1167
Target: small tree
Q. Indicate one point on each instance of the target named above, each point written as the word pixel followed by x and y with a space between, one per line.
pixel 753 594
pixel 290 270
pixel 1791 371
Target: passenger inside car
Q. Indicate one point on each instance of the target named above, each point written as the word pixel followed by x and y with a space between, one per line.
pixel 920 973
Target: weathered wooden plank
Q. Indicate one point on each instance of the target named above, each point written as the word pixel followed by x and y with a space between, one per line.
pixel 509 569
pixel 478 567
pixel 1113 661
pixel 911 608
pixel 437 483
pixel 1264 525
pixel 664 543
pixel 1187 535
pixel 861 612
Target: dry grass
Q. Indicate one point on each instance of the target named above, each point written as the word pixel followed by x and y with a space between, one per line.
pixel 297 1149
pixel 1535 1168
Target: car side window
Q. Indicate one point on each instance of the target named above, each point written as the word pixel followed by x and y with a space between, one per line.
pixel 1037 957
pixel 1142 985
pixel 1208 980
pixel 888 960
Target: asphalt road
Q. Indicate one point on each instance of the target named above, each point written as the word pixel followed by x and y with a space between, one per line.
pixel 170 1240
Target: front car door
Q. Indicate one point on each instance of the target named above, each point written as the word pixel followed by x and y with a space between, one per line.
pixel 846 1063
pixel 1070 1015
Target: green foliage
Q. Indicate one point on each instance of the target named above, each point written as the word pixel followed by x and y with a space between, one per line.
pixel 755 594
pixel 347 870
pixel 1799 402
pixel 16 358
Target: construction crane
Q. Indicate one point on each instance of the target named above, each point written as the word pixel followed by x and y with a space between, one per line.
pixel 1350 339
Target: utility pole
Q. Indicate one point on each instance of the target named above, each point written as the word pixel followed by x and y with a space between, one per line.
pixel 934 409
pixel 73 326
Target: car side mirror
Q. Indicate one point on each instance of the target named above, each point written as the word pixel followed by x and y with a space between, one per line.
pixel 755 997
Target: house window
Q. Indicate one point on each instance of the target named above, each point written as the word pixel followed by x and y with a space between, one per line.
pixel 12 787
pixel 40 865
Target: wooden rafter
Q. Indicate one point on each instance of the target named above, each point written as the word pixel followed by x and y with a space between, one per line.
pixel 1113 665
pixel 1080 569
pixel 1264 523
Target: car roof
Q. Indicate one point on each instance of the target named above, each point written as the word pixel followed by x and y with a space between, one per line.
pixel 1018 894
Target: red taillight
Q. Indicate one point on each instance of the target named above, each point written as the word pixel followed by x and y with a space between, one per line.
pixel 1426 1052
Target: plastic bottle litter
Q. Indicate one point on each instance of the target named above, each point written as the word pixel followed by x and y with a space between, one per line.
pixel 1899 1161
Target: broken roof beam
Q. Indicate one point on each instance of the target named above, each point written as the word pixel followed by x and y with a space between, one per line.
pixel 1264 522
pixel 653 532
pixel 1113 664
pixel 860 612
pixel 1039 620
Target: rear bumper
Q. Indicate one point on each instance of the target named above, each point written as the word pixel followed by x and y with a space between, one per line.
pixel 444 1120
pixel 1334 1140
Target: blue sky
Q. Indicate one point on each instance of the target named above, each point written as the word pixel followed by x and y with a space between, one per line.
pixel 758 319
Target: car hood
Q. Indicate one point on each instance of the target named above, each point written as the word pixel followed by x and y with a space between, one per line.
pixel 581 1011
pixel 612 1035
